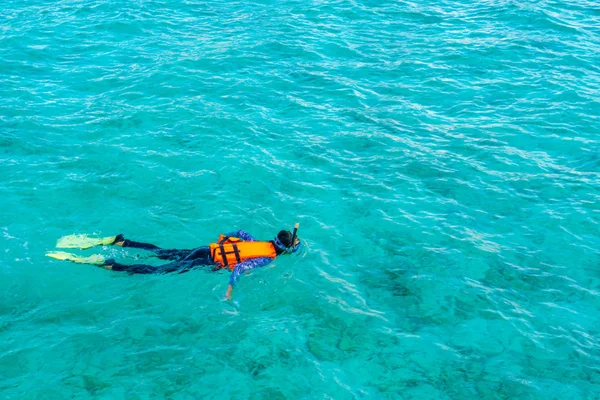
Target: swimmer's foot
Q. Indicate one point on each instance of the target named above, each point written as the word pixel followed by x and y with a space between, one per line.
pixel 119 240
pixel 84 242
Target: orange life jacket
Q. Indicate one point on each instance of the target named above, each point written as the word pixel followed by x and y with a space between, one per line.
pixel 230 251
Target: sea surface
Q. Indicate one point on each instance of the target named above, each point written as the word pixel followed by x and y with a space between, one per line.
pixel 442 158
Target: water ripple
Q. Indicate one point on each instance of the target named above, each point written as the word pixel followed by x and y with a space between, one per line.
pixel 441 157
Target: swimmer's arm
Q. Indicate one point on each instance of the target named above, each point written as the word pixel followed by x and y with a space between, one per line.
pixel 244 267
pixel 242 235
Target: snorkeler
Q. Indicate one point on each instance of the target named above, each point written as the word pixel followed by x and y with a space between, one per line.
pixel 237 251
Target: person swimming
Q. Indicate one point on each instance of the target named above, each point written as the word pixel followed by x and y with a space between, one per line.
pixel 237 251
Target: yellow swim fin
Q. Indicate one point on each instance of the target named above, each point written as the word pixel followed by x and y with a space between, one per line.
pixel 83 242
pixel 94 259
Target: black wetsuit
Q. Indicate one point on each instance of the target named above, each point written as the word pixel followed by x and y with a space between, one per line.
pixel 183 260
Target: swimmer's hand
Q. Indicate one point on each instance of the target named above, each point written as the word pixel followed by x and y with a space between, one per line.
pixel 228 293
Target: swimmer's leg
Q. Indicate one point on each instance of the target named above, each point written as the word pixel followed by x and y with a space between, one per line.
pixel 132 269
pixel 200 256
pixel 148 269
pixel 110 264
pixel 121 241
pixel 163 254
pixel 172 254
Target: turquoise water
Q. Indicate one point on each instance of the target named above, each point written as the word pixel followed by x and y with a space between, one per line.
pixel 443 159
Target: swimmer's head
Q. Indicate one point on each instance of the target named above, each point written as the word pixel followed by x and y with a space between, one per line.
pixel 283 242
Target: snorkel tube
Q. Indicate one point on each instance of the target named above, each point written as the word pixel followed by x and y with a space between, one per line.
pixel 295 231
pixel 292 248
